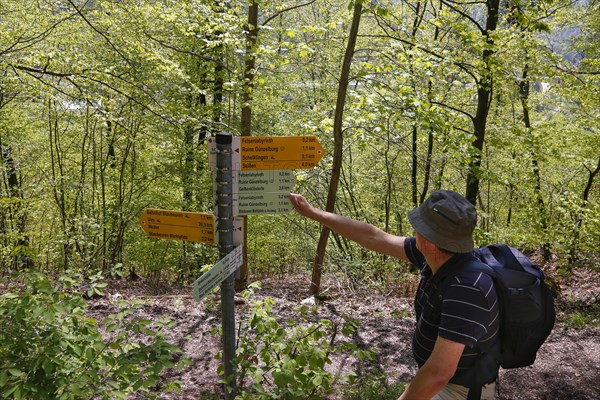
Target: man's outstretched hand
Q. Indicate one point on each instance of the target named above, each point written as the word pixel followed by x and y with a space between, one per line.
pixel 302 206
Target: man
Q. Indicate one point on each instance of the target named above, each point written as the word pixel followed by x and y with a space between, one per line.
pixel 456 329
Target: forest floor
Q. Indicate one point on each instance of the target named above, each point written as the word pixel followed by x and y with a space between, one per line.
pixel 567 366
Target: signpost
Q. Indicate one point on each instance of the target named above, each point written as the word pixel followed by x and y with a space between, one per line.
pixel 238 231
pixel 178 225
pixel 188 226
pixel 253 176
pixel 224 215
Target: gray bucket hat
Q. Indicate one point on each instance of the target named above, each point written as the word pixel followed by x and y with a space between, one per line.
pixel 447 220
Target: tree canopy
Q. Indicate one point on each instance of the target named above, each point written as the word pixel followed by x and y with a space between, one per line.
pixel 105 108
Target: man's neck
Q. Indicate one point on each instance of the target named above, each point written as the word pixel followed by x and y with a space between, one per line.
pixel 437 259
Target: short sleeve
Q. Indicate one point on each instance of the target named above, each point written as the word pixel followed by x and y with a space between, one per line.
pixel 413 254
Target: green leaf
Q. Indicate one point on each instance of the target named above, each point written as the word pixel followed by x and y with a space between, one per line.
pixel 282 378
pixel 48 366
pixel 11 391
pixel 138 384
pixel 317 380
pixel 89 354
pixel 3 378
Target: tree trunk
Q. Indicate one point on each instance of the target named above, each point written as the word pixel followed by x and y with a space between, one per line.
pixel 427 176
pixel 246 119
pixel 578 217
pixel 484 95
pixel 524 86
pixel 249 66
pixel 58 179
pixel 417 198
pixel 338 141
pixel 414 167
pixel 15 218
pixel 187 263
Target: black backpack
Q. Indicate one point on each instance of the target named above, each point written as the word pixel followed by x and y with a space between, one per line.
pixel 526 303
pixel 526 309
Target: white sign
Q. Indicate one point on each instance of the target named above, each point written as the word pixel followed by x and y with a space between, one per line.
pixel 261 203
pixel 266 181
pixel 260 192
pixel 260 181
pixel 217 273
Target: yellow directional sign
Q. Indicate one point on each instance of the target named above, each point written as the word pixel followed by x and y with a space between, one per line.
pixel 178 225
pixel 252 153
pixel 279 152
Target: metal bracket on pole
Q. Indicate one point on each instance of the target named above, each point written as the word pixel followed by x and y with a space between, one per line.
pixel 225 228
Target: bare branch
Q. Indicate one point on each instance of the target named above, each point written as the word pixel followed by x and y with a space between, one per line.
pixel 278 13
pixel 188 52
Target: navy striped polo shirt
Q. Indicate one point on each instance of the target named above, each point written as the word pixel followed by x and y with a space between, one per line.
pixel 467 312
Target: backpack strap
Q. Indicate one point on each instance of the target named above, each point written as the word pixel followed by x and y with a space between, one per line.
pixel 470 266
pixel 474 393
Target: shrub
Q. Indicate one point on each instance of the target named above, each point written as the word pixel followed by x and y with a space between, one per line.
pixel 288 361
pixel 50 350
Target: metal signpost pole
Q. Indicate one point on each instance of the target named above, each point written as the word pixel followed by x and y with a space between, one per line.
pixel 225 228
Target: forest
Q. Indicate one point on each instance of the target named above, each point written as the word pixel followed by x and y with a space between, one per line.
pixel 106 110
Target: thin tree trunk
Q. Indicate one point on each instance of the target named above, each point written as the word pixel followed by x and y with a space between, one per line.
pixel 414 167
pixel 338 140
pixel 58 180
pixel 484 96
pixel 246 118
pixel 578 217
pixel 16 218
pixel 524 86
pixel 427 176
pixel 416 197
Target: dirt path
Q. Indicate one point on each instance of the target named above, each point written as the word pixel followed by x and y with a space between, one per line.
pixel 567 367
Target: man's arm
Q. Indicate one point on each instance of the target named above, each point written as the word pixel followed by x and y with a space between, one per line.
pixel 360 232
pixel 436 372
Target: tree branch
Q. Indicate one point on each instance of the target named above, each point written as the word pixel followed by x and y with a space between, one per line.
pixel 110 43
pixel 188 52
pixel 464 15
pixel 278 13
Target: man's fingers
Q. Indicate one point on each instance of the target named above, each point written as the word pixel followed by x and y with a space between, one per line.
pixel 298 202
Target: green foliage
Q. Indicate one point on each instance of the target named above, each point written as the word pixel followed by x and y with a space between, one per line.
pixel 372 387
pixel 578 320
pixel 95 282
pixel 104 108
pixel 274 249
pixel 288 360
pixel 49 349
pixel 373 272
